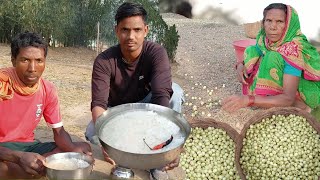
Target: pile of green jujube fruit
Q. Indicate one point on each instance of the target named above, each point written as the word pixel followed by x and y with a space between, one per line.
pixel 209 154
pixel 281 147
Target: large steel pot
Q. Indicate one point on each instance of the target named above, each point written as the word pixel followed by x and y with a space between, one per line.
pixel 142 161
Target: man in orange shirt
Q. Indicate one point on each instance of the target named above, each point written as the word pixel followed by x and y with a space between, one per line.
pixel 24 98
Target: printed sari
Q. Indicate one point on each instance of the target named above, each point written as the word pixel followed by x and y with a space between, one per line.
pixel 264 63
pixel 10 83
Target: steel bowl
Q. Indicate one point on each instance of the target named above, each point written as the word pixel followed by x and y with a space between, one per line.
pixel 80 173
pixel 137 160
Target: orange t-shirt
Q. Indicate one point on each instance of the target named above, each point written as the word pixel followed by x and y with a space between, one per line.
pixel 20 115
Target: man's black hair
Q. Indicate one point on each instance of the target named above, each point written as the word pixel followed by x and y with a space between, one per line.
pixel 26 39
pixel 129 9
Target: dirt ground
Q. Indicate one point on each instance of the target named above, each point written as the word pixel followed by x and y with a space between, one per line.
pixel 204 68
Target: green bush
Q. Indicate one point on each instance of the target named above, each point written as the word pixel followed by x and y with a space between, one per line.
pixel 160 32
pixel 171 42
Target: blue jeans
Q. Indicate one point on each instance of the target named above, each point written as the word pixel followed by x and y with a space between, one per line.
pixel 175 103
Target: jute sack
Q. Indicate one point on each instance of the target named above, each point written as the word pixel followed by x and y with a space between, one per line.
pixel 209 122
pixel 267 114
pixel 251 29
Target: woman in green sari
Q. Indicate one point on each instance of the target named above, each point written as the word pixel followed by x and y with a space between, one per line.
pixel 282 69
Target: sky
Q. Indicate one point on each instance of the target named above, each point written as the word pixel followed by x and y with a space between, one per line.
pixel 247 11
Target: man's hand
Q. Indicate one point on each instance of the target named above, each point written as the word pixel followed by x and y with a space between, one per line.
pixel 65 144
pixel 106 157
pixel 32 163
pixel 82 147
pixel 172 165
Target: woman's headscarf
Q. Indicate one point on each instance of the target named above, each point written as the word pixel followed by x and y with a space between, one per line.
pixel 293 46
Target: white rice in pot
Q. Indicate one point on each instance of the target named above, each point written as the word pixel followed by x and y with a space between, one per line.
pixel 67 164
pixel 126 132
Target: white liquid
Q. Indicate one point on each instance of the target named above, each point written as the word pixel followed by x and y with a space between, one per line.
pixel 126 132
pixel 67 164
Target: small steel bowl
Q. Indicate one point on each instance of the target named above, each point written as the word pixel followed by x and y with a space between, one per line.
pixel 80 173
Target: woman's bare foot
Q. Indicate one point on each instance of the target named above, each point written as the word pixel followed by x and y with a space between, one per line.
pixel 301 105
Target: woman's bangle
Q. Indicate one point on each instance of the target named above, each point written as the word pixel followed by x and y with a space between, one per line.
pixel 237 64
pixel 251 100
